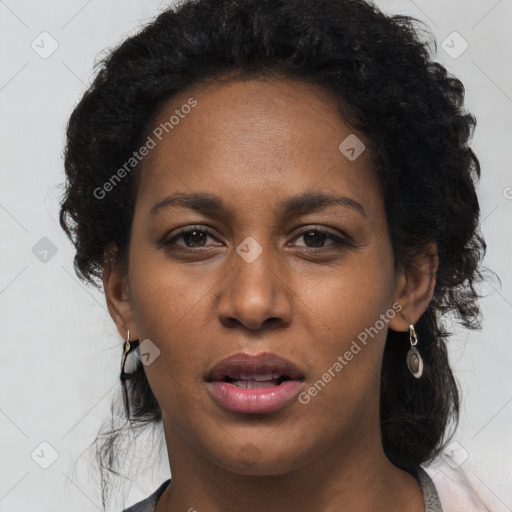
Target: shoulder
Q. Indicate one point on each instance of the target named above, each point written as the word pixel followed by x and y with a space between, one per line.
pixel 454 488
pixel 149 504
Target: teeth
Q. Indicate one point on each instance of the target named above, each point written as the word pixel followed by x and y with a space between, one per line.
pixel 253 384
pixel 260 377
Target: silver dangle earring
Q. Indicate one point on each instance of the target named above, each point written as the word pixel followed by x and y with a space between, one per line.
pixel 126 350
pixel 414 360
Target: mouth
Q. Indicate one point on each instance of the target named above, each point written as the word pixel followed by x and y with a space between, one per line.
pixel 247 370
pixel 254 383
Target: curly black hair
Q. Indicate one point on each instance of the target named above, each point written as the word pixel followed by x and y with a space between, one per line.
pixel 380 69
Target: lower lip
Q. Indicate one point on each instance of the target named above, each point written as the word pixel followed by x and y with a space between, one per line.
pixel 256 400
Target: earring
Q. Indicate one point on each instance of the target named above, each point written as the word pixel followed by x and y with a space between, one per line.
pixel 126 351
pixel 128 347
pixel 414 359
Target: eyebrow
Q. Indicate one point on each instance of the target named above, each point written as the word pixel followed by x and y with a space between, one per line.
pixel 298 204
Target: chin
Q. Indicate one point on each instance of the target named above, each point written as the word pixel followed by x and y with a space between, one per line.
pixel 251 460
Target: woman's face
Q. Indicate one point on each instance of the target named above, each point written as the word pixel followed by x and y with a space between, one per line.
pixel 259 276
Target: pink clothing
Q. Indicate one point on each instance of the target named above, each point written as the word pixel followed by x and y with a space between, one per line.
pixel 458 492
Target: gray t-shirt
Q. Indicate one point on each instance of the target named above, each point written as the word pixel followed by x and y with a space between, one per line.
pixel 430 496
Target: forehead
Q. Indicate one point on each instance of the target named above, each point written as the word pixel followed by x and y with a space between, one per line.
pixel 251 137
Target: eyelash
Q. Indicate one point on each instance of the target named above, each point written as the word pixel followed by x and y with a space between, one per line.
pixel 339 242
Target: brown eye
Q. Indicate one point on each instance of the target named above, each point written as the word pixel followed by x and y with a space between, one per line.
pixel 315 240
pixel 193 238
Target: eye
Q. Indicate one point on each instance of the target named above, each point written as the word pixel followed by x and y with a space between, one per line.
pixel 193 237
pixel 317 238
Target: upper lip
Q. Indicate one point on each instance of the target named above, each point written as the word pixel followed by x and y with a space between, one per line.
pixel 257 364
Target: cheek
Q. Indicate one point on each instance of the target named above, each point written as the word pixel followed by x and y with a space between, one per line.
pixel 170 311
pixel 347 319
pixel 351 297
pixel 167 297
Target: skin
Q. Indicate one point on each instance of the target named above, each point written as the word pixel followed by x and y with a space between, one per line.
pixel 254 144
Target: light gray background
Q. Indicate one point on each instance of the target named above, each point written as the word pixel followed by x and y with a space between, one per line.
pixel 60 353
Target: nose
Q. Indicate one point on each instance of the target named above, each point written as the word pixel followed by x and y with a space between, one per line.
pixel 255 294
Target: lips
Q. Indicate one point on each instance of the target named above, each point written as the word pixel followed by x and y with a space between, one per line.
pixel 260 368
pixel 257 384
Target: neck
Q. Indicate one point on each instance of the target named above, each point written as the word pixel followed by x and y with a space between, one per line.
pixel 349 476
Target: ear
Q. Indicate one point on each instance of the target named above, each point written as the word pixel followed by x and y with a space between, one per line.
pixel 117 293
pixel 415 288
